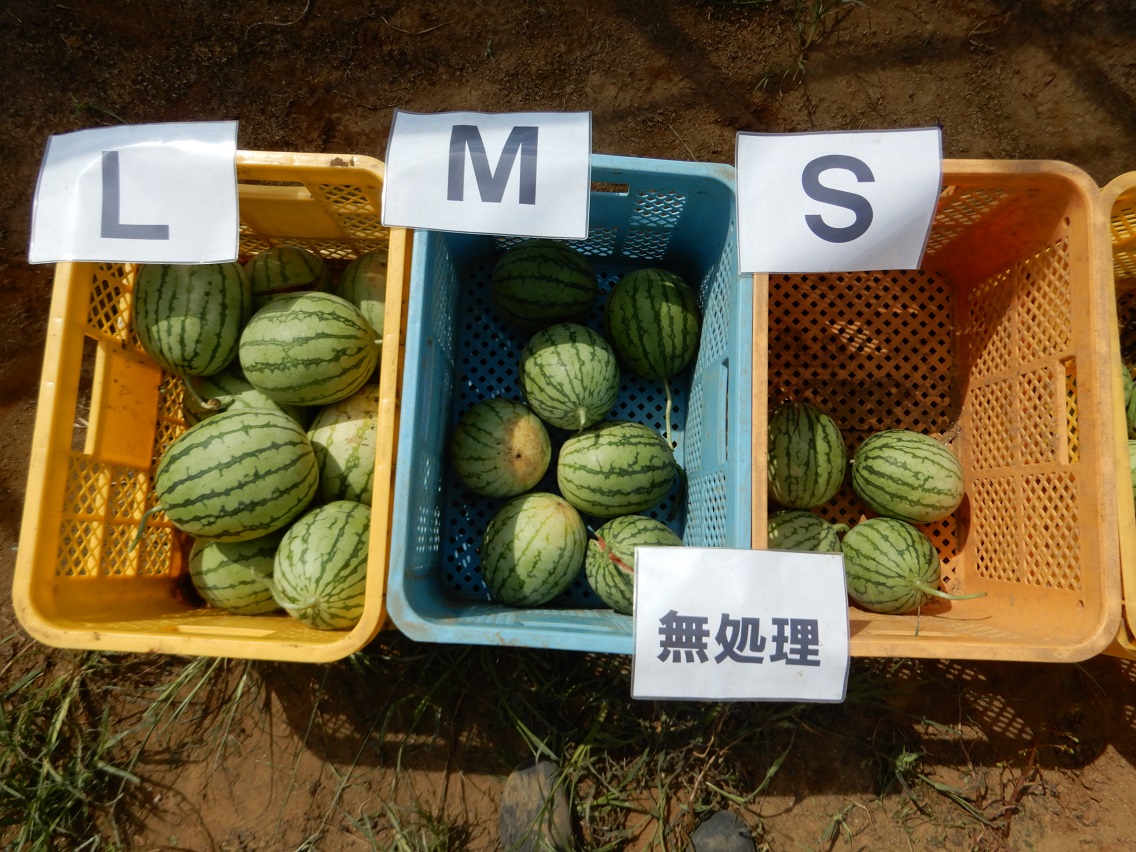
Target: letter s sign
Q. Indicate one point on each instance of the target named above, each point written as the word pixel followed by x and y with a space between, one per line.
pixel 858 204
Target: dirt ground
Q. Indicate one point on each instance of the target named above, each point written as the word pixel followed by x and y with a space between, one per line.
pixel 672 79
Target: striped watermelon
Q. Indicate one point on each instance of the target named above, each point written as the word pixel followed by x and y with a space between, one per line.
pixel 539 282
pixel 229 389
pixel 610 561
pixel 232 575
pixel 906 475
pixel 615 468
pixel 320 572
pixel 569 375
pixel 308 349
pixel 652 320
pixel 807 457
pixel 286 269
pixel 364 284
pixel 499 448
pixel 188 317
pixel 891 567
pixel 343 437
pixel 797 529
pixel 532 550
pixel 238 475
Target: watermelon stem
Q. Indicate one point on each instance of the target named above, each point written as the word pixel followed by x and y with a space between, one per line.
pixel 670 404
pixel 923 587
pixel 211 404
pixel 142 526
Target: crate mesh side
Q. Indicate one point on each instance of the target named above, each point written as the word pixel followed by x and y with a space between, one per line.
pixel 959 209
pixel 110 309
pixel 1122 230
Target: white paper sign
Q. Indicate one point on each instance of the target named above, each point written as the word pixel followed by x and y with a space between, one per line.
pixel 739 625
pixel 521 174
pixel 836 202
pixel 148 193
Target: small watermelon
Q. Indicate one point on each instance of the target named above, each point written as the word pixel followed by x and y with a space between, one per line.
pixel 610 561
pixel 286 269
pixel 807 457
pixel 188 317
pixel 238 475
pixel 891 567
pixel 234 576
pixel 569 375
pixel 320 571
pixel 615 468
pixel 228 389
pixel 652 320
pixel 308 349
pixel 532 550
pixel 364 284
pixel 908 476
pixel 797 529
pixel 499 448
pixel 343 437
pixel 539 282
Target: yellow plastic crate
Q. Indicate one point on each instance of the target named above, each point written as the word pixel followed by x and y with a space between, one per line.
pixel 1118 200
pixel 107 411
pixel 999 346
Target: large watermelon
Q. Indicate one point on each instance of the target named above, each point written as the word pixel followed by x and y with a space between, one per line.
pixel 532 550
pixel 908 476
pixel 308 349
pixel 891 567
pixel 320 572
pixel 238 475
pixel 364 284
pixel 797 529
pixel 569 375
pixel 499 448
pixel 807 457
pixel 652 320
pixel 615 468
pixel 539 282
pixel 234 576
pixel 343 437
pixel 610 561
pixel 286 269
pixel 188 317
pixel 229 389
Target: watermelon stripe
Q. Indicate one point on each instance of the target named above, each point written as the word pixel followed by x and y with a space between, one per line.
pixel 883 559
pixel 907 475
pixel 532 549
pixel 615 468
pixel 652 319
pixel 569 375
pixel 538 282
pixel 807 459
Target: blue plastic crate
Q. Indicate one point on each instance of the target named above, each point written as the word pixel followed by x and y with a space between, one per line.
pixel 644 213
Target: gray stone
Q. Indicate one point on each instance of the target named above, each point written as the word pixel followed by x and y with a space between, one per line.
pixel 534 813
pixel 723 832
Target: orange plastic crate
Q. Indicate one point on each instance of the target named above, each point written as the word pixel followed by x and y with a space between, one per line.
pixel 1119 213
pixel 999 346
pixel 107 411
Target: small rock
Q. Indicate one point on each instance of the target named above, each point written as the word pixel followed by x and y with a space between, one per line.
pixel 534 810
pixel 723 832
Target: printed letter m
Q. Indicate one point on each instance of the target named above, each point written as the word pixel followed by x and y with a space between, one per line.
pixel 491 183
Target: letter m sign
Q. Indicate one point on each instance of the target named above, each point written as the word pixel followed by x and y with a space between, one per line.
pixel 491 182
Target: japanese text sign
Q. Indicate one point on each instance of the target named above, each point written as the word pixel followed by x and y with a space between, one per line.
pixel 147 193
pixel 737 625
pixel 521 174
pixel 836 202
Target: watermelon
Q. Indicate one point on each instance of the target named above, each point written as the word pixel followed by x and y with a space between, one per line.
pixel 1132 464
pixel 320 571
pixel 652 320
pixel 615 468
pixel 532 550
pixel 308 349
pixel 569 375
pixel 610 561
pixel 908 476
pixel 807 457
pixel 536 283
pixel 238 475
pixel 233 575
pixel 499 448
pixel 286 269
pixel 891 567
pixel 343 437
pixel 364 284
pixel 188 317
pixel 205 396
pixel 1129 399
pixel 797 529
